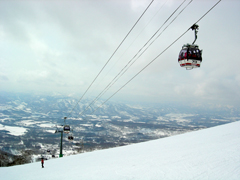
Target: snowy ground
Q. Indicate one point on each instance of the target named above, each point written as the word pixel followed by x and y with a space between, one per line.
pixel 14 130
pixel 212 153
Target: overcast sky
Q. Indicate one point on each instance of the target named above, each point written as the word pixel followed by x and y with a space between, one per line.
pixel 60 46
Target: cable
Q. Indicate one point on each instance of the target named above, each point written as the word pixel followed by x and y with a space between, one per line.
pixel 110 57
pixel 165 28
pixel 135 39
pixel 152 42
pixel 127 66
pixel 154 59
pixel 207 12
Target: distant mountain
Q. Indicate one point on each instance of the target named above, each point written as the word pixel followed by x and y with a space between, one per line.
pixel 28 121
pixel 60 106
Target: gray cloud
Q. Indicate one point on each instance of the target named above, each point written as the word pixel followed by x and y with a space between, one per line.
pixel 60 46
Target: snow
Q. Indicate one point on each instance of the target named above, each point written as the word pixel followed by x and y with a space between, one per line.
pixel 98 125
pixel 116 117
pixel 26 123
pixel 14 130
pixel 50 131
pixel 47 125
pixel 178 117
pixel 205 154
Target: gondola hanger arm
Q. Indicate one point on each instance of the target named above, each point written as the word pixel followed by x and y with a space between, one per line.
pixel 195 28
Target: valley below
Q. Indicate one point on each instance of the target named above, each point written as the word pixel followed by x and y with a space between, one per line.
pixel 28 123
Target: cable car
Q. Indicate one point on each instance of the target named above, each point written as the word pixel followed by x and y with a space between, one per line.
pixel 66 128
pixel 70 138
pixel 190 56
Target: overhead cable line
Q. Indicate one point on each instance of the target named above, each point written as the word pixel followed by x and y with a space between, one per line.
pixel 164 29
pixel 128 65
pixel 136 38
pixel 110 57
pixel 156 57
pixel 150 44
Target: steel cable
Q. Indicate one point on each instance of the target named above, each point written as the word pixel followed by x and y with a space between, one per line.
pixel 155 58
pixel 109 59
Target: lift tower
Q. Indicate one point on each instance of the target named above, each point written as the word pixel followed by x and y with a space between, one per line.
pixel 60 131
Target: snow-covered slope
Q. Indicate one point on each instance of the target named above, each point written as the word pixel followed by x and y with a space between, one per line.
pixel 212 153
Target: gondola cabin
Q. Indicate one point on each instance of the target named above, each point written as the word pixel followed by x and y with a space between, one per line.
pixel 66 128
pixel 190 56
pixel 70 138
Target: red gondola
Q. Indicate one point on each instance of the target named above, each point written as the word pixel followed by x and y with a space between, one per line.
pixel 190 56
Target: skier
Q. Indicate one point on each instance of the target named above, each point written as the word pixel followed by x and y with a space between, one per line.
pixel 42 161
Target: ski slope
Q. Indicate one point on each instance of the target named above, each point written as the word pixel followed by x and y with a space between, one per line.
pixel 212 153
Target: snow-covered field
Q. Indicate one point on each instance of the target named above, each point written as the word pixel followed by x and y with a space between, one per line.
pixel 14 130
pixel 212 153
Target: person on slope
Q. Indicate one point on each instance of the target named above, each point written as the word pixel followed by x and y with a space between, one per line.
pixel 42 162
